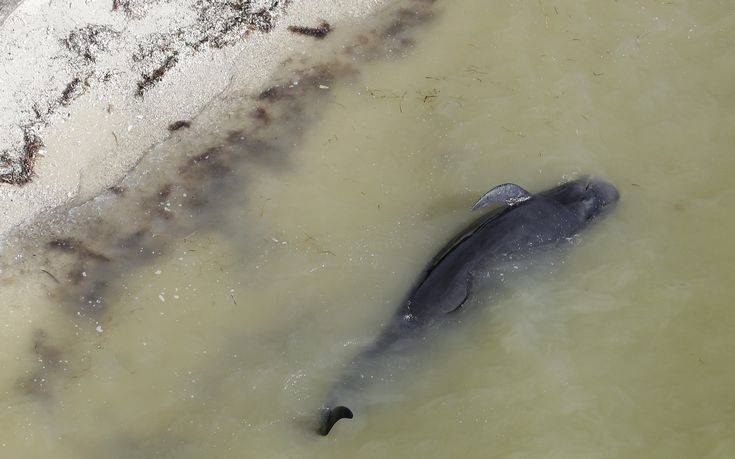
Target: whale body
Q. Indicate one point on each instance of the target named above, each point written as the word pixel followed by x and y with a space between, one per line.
pixel 522 227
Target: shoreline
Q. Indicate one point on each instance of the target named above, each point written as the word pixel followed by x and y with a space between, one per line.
pixel 89 96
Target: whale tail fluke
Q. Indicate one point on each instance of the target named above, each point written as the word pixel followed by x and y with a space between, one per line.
pixel 330 416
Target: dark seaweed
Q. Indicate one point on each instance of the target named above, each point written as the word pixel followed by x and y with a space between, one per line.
pixel 154 77
pixel 89 41
pixel 66 96
pixel 123 5
pixel 261 114
pixel 272 94
pixel 21 171
pixel 181 124
pixel 71 245
pixel 118 190
pixel 73 90
pixel 50 358
pixel 317 32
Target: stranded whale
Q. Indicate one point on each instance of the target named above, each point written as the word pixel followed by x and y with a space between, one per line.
pixel 526 224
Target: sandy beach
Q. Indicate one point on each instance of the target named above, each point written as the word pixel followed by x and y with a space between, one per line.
pixel 89 88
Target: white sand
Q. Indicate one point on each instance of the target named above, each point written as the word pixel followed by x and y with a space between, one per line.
pixel 95 130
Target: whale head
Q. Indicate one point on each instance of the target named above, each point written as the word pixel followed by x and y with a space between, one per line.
pixel 585 197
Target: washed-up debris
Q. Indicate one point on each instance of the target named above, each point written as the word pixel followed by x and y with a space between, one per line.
pixel 317 32
pixel 177 125
pixel 149 80
pixel 17 169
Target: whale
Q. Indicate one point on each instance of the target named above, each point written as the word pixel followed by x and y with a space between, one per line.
pixel 518 226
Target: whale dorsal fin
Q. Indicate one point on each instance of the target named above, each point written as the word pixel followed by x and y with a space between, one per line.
pixel 509 194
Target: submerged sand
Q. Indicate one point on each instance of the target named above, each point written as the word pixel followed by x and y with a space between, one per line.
pixel 88 88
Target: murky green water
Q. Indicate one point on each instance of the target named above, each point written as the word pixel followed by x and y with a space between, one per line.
pixel 225 343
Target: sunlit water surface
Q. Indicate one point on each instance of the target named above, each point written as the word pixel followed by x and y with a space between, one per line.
pixel 226 345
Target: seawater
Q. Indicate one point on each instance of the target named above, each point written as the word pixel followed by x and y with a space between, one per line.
pixel 218 330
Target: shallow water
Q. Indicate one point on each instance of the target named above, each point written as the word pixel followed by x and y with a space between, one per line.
pixel 223 340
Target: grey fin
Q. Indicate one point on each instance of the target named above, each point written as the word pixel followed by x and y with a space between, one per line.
pixel 330 416
pixel 456 297
pixel 509 194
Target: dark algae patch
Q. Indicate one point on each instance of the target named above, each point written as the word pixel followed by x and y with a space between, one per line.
pixel 150 80
pixel 118 190
pixel 66 96
pixel 318 32
pixel 272 94
pixel 393 38
pixel 89 42
pixel 178 125
pixel 20 171
pixel 50 359
pixel 75 246
pixel 261 114
pixel 74 89
pixel 122 5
